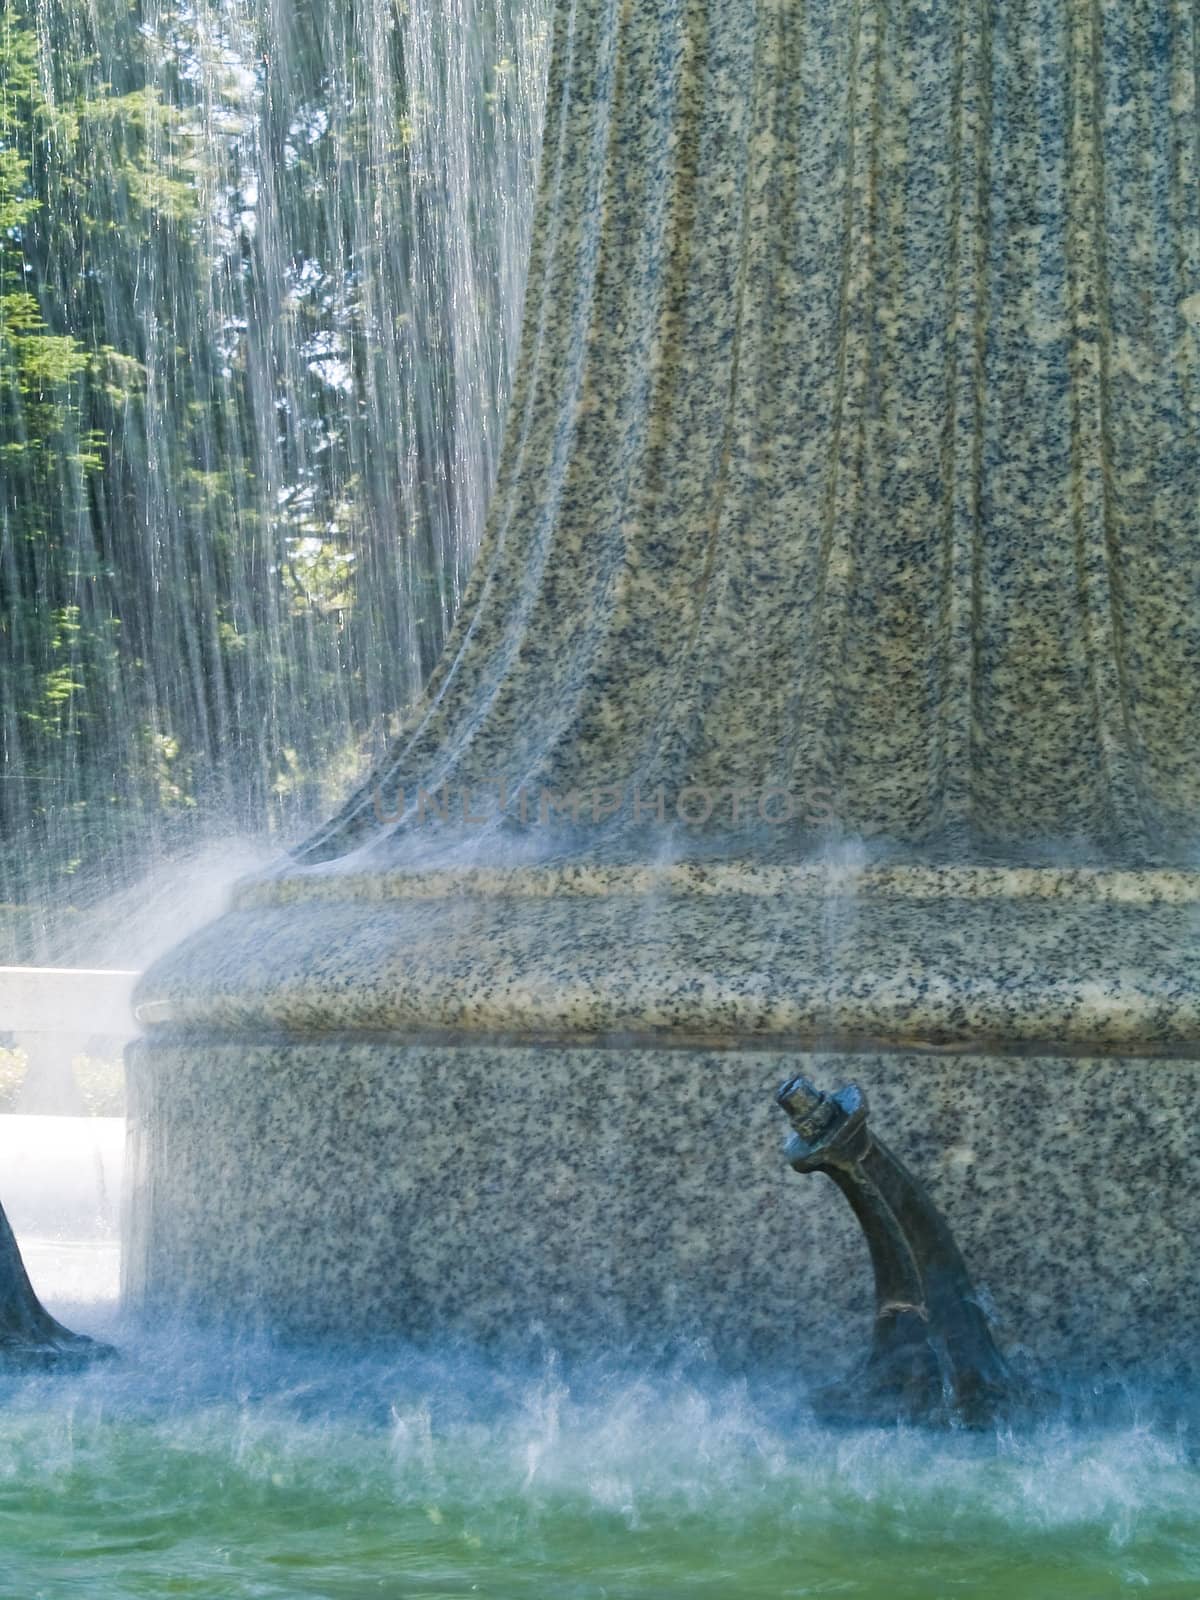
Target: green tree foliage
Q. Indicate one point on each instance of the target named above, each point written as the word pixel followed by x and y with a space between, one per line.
pixel 227 435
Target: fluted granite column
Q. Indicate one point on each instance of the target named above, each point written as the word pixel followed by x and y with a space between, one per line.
pixel 825 698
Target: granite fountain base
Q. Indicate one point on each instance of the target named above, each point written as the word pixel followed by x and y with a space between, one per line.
pixel 514 1107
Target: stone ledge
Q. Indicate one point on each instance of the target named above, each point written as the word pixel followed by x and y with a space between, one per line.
pixel 998 959
pixel 821 880
pixel 77 1000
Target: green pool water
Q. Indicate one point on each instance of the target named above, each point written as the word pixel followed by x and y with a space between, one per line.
pixel 191 1468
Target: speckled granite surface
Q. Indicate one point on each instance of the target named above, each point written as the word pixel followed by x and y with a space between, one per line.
pixel 1084 960
pixel 854 444
pixel 595 1198
pixel 851 484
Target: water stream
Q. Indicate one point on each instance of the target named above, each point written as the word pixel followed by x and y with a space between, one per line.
pixel 260 293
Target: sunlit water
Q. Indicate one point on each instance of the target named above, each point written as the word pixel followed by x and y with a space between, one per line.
pixel 283 248
pixel 192 1466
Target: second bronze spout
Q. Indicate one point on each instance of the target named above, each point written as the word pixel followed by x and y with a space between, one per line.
pixel 29 1335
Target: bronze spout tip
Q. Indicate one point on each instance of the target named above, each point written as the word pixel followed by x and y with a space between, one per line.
pixel 798 1097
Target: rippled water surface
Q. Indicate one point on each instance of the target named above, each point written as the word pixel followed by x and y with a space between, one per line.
pixel 191 1468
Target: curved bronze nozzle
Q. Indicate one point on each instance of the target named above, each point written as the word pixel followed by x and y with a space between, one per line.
pixel 29 1335
pixel 932 1356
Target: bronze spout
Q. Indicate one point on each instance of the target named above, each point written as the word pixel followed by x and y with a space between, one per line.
pixel 932 1355
pixel 29 1335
